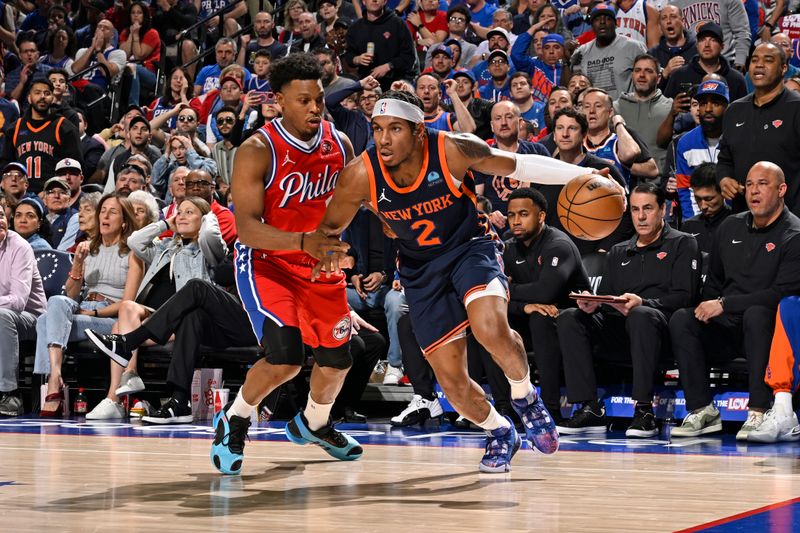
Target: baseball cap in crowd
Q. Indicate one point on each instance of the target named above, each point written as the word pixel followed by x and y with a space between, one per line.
pixel 52 183
pixel 66 165
pixel 553 38
pixel 450 41
pixel 133 107
pixel 136 119
pixel 226 79
pixel 16 166
pixel 331 2
pixel 342 23
pixel 602 9
pixel 442 49
pixel 497 53
pixel 464 73
pixel 711 28
pixel 498 31
pixel 719 88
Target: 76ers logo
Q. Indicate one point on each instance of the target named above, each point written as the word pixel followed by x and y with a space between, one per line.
pixel 326 147
pixel 342 329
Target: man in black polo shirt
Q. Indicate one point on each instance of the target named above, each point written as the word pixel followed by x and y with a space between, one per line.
pixel 544 266
pixel 657 272
pixel 713 210
pixel 754 263
pixel 762 126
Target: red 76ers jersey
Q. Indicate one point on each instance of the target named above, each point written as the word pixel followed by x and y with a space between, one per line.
pixel 302 179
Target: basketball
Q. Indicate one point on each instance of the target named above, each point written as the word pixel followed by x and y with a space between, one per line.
pixel 590 207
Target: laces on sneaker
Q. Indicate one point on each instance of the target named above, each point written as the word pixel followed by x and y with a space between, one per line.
pixel 235 438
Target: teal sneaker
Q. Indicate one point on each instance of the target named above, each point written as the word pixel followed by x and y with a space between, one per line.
pixel 339 445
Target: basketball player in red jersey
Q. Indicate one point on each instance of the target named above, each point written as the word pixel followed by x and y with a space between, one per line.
pixel 282 180
pixel 418 181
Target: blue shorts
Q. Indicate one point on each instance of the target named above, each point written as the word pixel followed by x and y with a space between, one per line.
pixel 436 290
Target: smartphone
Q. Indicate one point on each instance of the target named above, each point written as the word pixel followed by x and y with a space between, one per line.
pixel 685 87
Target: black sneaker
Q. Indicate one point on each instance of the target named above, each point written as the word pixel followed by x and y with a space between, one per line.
pixel 590 418
pixel 172 412
pixel 112 345
pixel 644 423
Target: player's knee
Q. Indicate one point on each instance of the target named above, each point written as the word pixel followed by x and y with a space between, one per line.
pixel 282 345
pixel 338 358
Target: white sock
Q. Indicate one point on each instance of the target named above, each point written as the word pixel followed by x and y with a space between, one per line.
pixel 240 407
pixel 522 388
pixel 317 414
pixel 493 421
pixel 783 403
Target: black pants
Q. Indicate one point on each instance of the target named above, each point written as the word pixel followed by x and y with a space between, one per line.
pixel 481 365
pixel 198 314
pixel 721 340
pixel 641 336
pixel 366 348
pixel 419 372
pixel 543 335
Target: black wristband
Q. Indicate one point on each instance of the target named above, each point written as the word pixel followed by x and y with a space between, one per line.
pixel 302 238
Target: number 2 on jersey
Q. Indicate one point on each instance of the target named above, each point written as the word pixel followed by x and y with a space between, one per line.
pixel 426 229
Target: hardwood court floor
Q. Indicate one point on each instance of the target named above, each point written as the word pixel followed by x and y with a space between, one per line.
pixel 55 482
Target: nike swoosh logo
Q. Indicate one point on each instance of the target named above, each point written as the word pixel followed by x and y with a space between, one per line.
pixel 739 124
pixel 520 262
pixel 734 241
pixel 694 234
pixel 624 263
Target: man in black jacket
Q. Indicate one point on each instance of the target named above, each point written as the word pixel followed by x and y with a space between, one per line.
pixel 754 263
pixel 677 45
pixel 763 126
pixel 656 273
pixel 380 45
pixel 708 60
pixel 711 205
pixel 543 266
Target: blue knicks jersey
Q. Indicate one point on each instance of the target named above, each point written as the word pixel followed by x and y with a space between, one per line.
pixel 434 214
pixel 441 121
pixel 608 150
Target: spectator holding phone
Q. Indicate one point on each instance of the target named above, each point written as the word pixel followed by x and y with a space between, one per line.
pixel 179 153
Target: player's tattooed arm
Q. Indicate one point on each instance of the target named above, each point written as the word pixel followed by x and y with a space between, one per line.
pixel 471 146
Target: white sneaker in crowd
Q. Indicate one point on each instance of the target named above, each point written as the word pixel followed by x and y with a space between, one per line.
pixel 107 410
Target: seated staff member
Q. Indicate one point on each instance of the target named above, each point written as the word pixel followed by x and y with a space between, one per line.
pixel 753 265
pixel 657 273
pixel 713 210
pixel 543 266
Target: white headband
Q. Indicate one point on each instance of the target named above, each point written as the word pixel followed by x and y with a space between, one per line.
pixel 390 107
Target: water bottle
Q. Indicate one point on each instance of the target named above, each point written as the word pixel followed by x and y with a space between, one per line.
pixel 80 402
pixel 666 428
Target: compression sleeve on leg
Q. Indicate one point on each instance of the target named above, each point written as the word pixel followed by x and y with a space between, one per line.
pixel 533 168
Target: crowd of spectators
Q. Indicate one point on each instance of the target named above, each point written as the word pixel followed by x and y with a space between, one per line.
pixel 120 122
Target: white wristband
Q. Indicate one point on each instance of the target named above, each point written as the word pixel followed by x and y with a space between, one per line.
pixel 533 168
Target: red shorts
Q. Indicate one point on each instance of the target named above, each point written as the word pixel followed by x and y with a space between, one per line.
pixel 272 289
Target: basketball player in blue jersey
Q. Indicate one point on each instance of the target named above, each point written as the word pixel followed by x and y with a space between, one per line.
pixel 418 181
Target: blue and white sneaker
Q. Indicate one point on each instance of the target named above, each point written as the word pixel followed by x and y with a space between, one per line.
pixel 227 450
pixel 501 445
pixel 540 428
pixel 339 445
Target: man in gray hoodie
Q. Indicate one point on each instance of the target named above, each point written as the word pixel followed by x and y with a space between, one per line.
pixel 729 14
pixel 645 108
